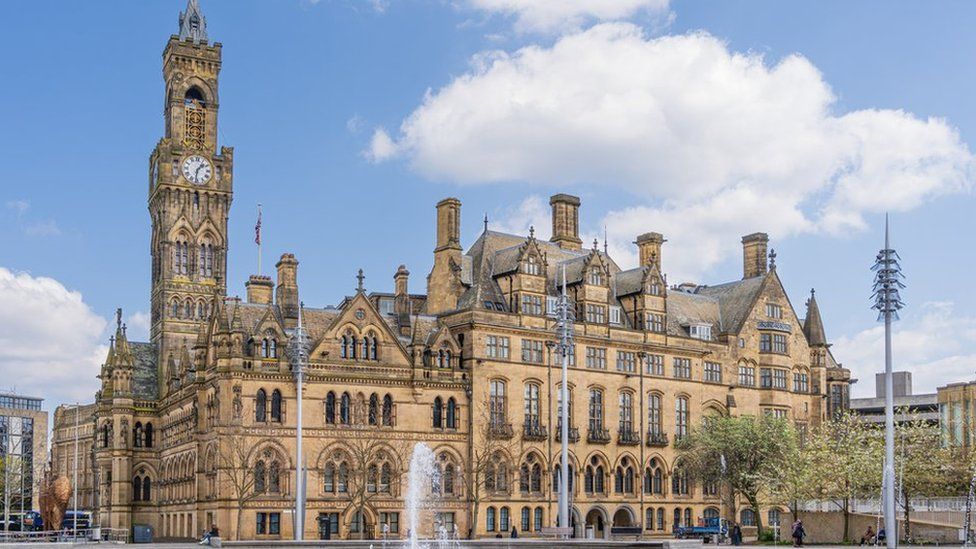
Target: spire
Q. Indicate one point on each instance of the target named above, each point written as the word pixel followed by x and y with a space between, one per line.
pixel 813 325
pixel 193 25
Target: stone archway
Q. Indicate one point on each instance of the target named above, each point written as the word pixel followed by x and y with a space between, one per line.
pixel 596 518
pixel 623 517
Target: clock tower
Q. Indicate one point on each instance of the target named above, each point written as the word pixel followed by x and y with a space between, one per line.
pixel 190 193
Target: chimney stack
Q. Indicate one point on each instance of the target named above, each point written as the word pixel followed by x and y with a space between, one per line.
pixel 286 293
pixel 401 295
pixel 448 224
pixel 754 254
pixel 649 247
pixel 444 281
pixel 259 289
pixel 565 221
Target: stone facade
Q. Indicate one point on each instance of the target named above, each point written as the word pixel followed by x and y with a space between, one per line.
pixel 200 421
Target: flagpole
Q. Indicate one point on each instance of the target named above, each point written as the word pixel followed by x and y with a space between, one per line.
pixel 257 238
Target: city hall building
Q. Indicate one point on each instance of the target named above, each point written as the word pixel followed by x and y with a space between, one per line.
pixel 197 426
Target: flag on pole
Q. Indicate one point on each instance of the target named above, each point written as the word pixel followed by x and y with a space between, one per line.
pixel 257 229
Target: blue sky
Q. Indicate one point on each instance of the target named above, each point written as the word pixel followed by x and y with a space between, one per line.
pixel 351 118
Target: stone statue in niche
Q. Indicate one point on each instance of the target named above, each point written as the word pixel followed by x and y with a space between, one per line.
pixel 238 405
pixel 124 433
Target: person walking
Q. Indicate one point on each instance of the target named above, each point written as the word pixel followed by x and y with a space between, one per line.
pixel 798 533
pixel 514 532
pixel 736 534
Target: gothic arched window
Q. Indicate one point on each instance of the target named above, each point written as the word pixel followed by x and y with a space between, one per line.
pixel 330 404
pixel 344 347
pixel 146 489
pixel 136 489
pixel 438 412
pixel 259 478
pixel 276 406
pixel 372 347
pixel 274 477
pixel 451 414
pixel 273 348
pixel 149 435
pixel 137 435
pixel 374 409
pixel 261 406
pixel 387 411
pixel 344 409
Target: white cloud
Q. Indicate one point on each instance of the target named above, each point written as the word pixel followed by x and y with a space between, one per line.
pixel 533 211
pixel 50 340
pixel 18 206
pixel 712 143
pixel 43 228
pixel 381 146
pixel 936 345
pixel 138 326
pixel 560 15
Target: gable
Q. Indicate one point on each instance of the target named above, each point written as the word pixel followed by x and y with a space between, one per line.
pixel 359 319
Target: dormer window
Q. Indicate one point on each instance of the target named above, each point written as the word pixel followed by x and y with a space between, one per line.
pixel 654 288
pixel 774 311
pixel 596 276
pixel 531 266
pixel 700 331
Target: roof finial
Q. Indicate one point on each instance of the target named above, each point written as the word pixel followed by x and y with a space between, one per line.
pixel 596 243
pixel 193 25
pixel 772 259
pixel 531 231
pixel 360 278
pixel 123 329
pixel 605 240
pixel 486 222
pixel 118 318
pixel 812 292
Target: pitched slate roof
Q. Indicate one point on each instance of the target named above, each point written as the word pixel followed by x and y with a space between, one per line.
pixel 735 300
pixel 145 383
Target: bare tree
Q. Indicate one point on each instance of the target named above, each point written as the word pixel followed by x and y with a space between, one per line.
pixel 236 474
pixel 374 471
pixel 493 467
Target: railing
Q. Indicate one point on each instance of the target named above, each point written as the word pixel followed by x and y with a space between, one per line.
pixel 628 437
pixel 500 430
pixel 596 435
pixel 574 435
pixel 534 431
pixel 81 535
pixel 657 439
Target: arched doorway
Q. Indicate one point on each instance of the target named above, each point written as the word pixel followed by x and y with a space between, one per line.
pixel 597 520
pixel 623 517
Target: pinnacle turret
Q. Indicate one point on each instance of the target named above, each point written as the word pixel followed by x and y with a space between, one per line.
pixel 193 25
pixel 813 325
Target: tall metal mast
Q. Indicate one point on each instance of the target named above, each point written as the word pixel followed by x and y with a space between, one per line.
pixel 298 352
pixel 564 316
pixel 887 301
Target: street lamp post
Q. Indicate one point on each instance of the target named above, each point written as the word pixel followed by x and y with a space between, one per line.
pixel 564 333
pixel 298 350
pixel 887 283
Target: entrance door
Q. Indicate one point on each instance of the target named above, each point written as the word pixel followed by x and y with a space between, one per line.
pixel 328 525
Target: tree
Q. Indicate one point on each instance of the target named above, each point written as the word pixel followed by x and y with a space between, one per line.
pixel 798 478
pixel 374 471
pixel 237 475
pixel 745 454
pixel 846 453
pixel 493 442
pixel 921 462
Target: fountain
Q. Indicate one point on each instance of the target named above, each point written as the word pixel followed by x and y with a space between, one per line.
pixel 423 471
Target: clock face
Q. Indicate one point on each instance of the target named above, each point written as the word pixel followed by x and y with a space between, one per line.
pixel 197 170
